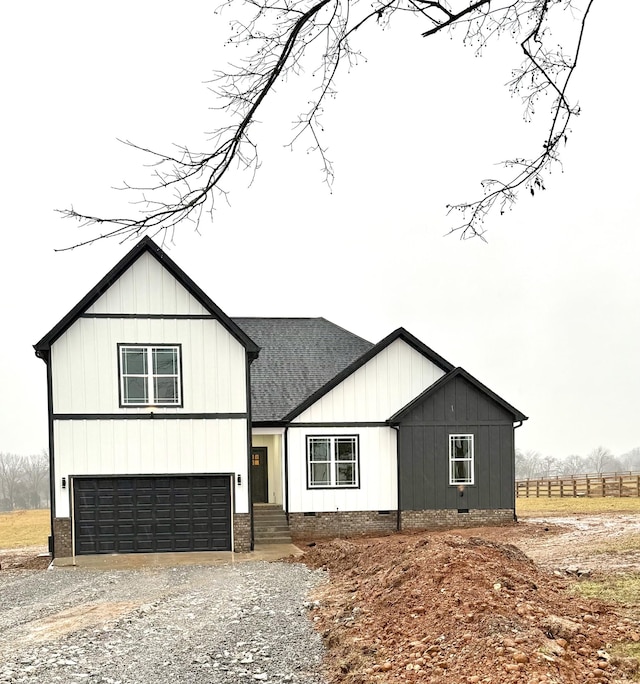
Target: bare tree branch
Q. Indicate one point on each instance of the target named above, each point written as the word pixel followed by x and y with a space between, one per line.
pixel 288 36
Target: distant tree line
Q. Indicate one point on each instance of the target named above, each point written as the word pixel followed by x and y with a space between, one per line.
pixel 533 465
pixel 24 481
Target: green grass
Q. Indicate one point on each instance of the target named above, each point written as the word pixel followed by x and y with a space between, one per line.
pixel 545 506
pixel 24 528
pixel 622 589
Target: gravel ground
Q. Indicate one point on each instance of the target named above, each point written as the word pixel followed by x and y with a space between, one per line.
pixel 190 624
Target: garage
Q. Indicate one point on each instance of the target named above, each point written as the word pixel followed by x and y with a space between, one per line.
pixel 145 514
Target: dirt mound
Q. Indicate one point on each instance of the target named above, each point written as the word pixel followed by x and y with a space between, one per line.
pixel 445 607
pixel 24 559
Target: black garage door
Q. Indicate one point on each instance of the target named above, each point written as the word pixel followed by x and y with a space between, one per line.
pixel 152 514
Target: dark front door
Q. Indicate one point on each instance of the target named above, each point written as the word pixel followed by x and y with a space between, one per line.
pixel 152 514
pixel 259 483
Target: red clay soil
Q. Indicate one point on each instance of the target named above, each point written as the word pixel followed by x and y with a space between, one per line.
pixel 457 608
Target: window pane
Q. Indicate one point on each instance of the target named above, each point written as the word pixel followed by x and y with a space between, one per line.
pixel 134 361
pixel 345 449
pixel 166 390
pixel 345 474
pixel 165 361
pixel 461 448
pixel 318 449
pixel 135 391
pixel 320 474
pixel 462 471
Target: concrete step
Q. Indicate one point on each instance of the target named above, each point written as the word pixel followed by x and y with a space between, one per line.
pixel 270 520
pixel 273 538
pixel 270 524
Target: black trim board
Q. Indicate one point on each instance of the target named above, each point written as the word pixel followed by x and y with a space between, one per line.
pixel 173 474
pixel 345 424
pixel 445 379
pixel 399 334
pixel 150 415
pixel 146 245
pixel 52 469
pixel 171 317
pixel 249 448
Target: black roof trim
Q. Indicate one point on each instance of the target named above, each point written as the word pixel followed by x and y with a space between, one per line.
pixel 517 415
pixel 146 244
pixel 401 334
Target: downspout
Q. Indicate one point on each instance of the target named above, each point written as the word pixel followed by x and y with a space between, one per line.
pixel 286 472
pixel 46 357
pixel 398 512
pixel 249 449
pixel 515 427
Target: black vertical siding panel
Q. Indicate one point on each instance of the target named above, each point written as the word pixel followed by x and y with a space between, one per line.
pixel 427 411
pixel 420 480
pixel 472 403
pixel 483 413
pixel 507 466
pixel 483 464
pixel 424 451
pixel 450 403
pixel 438 402
pixel 440 473
pixel 430 442
pixel 406 468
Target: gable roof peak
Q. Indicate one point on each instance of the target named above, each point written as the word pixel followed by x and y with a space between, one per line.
pixel 144 245
pixel 444 380
pixel 398 333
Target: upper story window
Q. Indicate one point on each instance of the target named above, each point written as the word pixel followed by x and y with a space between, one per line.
pixel 150 375
pixel 461 459
pixel 332 461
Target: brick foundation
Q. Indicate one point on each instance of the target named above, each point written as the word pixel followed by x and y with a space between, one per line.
pixel 341 524
pixel 423 520
pixel 241 532
pixel 62 538
pixel 354 523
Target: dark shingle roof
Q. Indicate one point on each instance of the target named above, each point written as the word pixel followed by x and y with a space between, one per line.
pixel 297 357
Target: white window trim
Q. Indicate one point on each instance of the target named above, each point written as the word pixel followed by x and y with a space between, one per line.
pixel 150 376
pixel 469 459
pixel 332 462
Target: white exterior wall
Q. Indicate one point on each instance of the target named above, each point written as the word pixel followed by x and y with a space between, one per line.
pixel 85 364
pixel 378 389
pixel 378 474
pixel 85 380
pixel 147 288
pixel 150 447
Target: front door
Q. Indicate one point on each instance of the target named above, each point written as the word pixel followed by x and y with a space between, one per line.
pixel 259 482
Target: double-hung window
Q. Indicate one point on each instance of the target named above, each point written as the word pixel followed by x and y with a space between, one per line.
pixel 150 375
pixel 332 461
pixel 461 459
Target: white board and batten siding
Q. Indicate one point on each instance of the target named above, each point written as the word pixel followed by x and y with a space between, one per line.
pixel 150 447
pixel 85 381
pixel 373 393
pixel 377 489
pixel 147 288
pixel 85 364
pixel 379 388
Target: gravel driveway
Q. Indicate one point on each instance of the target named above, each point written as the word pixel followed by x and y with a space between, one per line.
pixel 169 625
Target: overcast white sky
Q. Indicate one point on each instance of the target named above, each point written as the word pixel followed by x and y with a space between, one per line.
pixel 547 314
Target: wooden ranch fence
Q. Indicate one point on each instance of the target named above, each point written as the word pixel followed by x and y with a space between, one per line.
pixel 607 484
